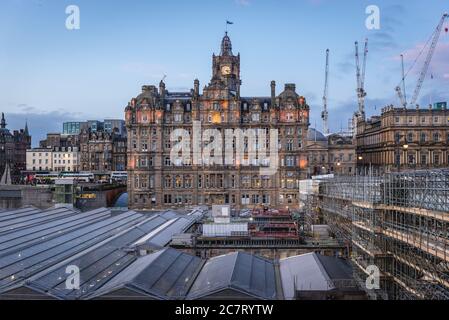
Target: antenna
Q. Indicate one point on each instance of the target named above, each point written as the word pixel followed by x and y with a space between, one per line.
pixel 324 114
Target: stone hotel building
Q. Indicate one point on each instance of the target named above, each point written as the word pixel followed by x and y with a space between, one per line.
pixel 154 181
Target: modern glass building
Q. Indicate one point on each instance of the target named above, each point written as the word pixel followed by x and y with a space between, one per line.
pixel 72 127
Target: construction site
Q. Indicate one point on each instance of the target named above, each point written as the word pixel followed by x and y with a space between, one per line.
pixel 395 222
pixel 270 233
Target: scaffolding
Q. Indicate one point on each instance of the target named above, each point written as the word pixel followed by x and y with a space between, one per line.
pixel 398 222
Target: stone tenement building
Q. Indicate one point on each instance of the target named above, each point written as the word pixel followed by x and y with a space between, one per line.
pixel 401 139
pixel 155 182
pixel 332 154
pixel 102 152
pixel 57 140
pixel 13 147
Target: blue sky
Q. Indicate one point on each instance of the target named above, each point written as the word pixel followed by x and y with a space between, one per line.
pixel 49 74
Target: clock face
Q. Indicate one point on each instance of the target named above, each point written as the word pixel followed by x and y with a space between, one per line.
pixel 225 70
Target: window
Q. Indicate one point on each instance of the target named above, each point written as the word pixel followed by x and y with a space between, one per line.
pixel 245 198
pixel 436 137
pixel 436 158
pixel 396 119
pixel 178 117
pixel 423 159
pixel 255 117
pixel 290 145
pixel 255 198
pixel 266 199
pixel 423 137
pixel 411 158
pixel 290 161
pixel 167 182
pixel 167 161
pixel 167 198
pixel 188 181
pixel 410 137
pixel 178 182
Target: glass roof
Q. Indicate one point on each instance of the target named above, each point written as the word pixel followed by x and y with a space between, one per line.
pixel 239 270
pixel 97 265
pixel 34 258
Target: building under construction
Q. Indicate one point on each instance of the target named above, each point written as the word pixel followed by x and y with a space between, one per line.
pixel 398 222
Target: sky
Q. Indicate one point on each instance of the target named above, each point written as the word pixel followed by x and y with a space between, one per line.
pixel 50 74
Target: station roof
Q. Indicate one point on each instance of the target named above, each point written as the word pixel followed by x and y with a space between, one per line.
pixel 312 272
pixel 240 271
pixel 166 274
pixel 17 265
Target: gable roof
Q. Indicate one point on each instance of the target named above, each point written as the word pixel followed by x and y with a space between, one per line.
pixel 250 274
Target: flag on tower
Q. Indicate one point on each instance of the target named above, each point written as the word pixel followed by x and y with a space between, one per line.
pixel 229 22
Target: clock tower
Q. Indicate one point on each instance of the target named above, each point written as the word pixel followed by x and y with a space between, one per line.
pixel 226 66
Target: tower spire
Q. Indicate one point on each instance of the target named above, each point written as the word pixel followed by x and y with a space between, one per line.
pixel 3 122
pixel 226 46
pixel 26 128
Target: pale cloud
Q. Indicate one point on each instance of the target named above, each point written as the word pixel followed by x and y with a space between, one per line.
pixel 40 121
pixel 154 71
pixel 243 3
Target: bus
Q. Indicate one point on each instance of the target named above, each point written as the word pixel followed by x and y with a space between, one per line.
pixel 45 178
pixel 119 176
pixel 78 176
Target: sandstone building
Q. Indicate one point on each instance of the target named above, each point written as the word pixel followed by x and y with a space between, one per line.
pixel 404 139
pixel 155 182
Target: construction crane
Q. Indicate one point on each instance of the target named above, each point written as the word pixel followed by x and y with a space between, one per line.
pixel 324 114
pixel 360 73
pixel 422 76
pixel 401 93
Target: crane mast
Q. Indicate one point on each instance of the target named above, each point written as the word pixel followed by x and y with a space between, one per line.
pixel 401 93
pixel 360 75
pixel 324 114
pixel 422 75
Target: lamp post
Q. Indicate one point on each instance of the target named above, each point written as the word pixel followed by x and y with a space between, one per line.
pixel 404 147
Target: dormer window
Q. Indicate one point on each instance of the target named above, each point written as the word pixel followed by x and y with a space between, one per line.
pixel 168 107
pixel 255 117
pixel 245 106
pixel 188 107
pixel 265 106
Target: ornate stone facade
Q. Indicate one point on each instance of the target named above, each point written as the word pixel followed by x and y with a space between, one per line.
pixel 334 153
pixel 102 152
pixel 401 139
pixel 13 147
pixel 151 117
